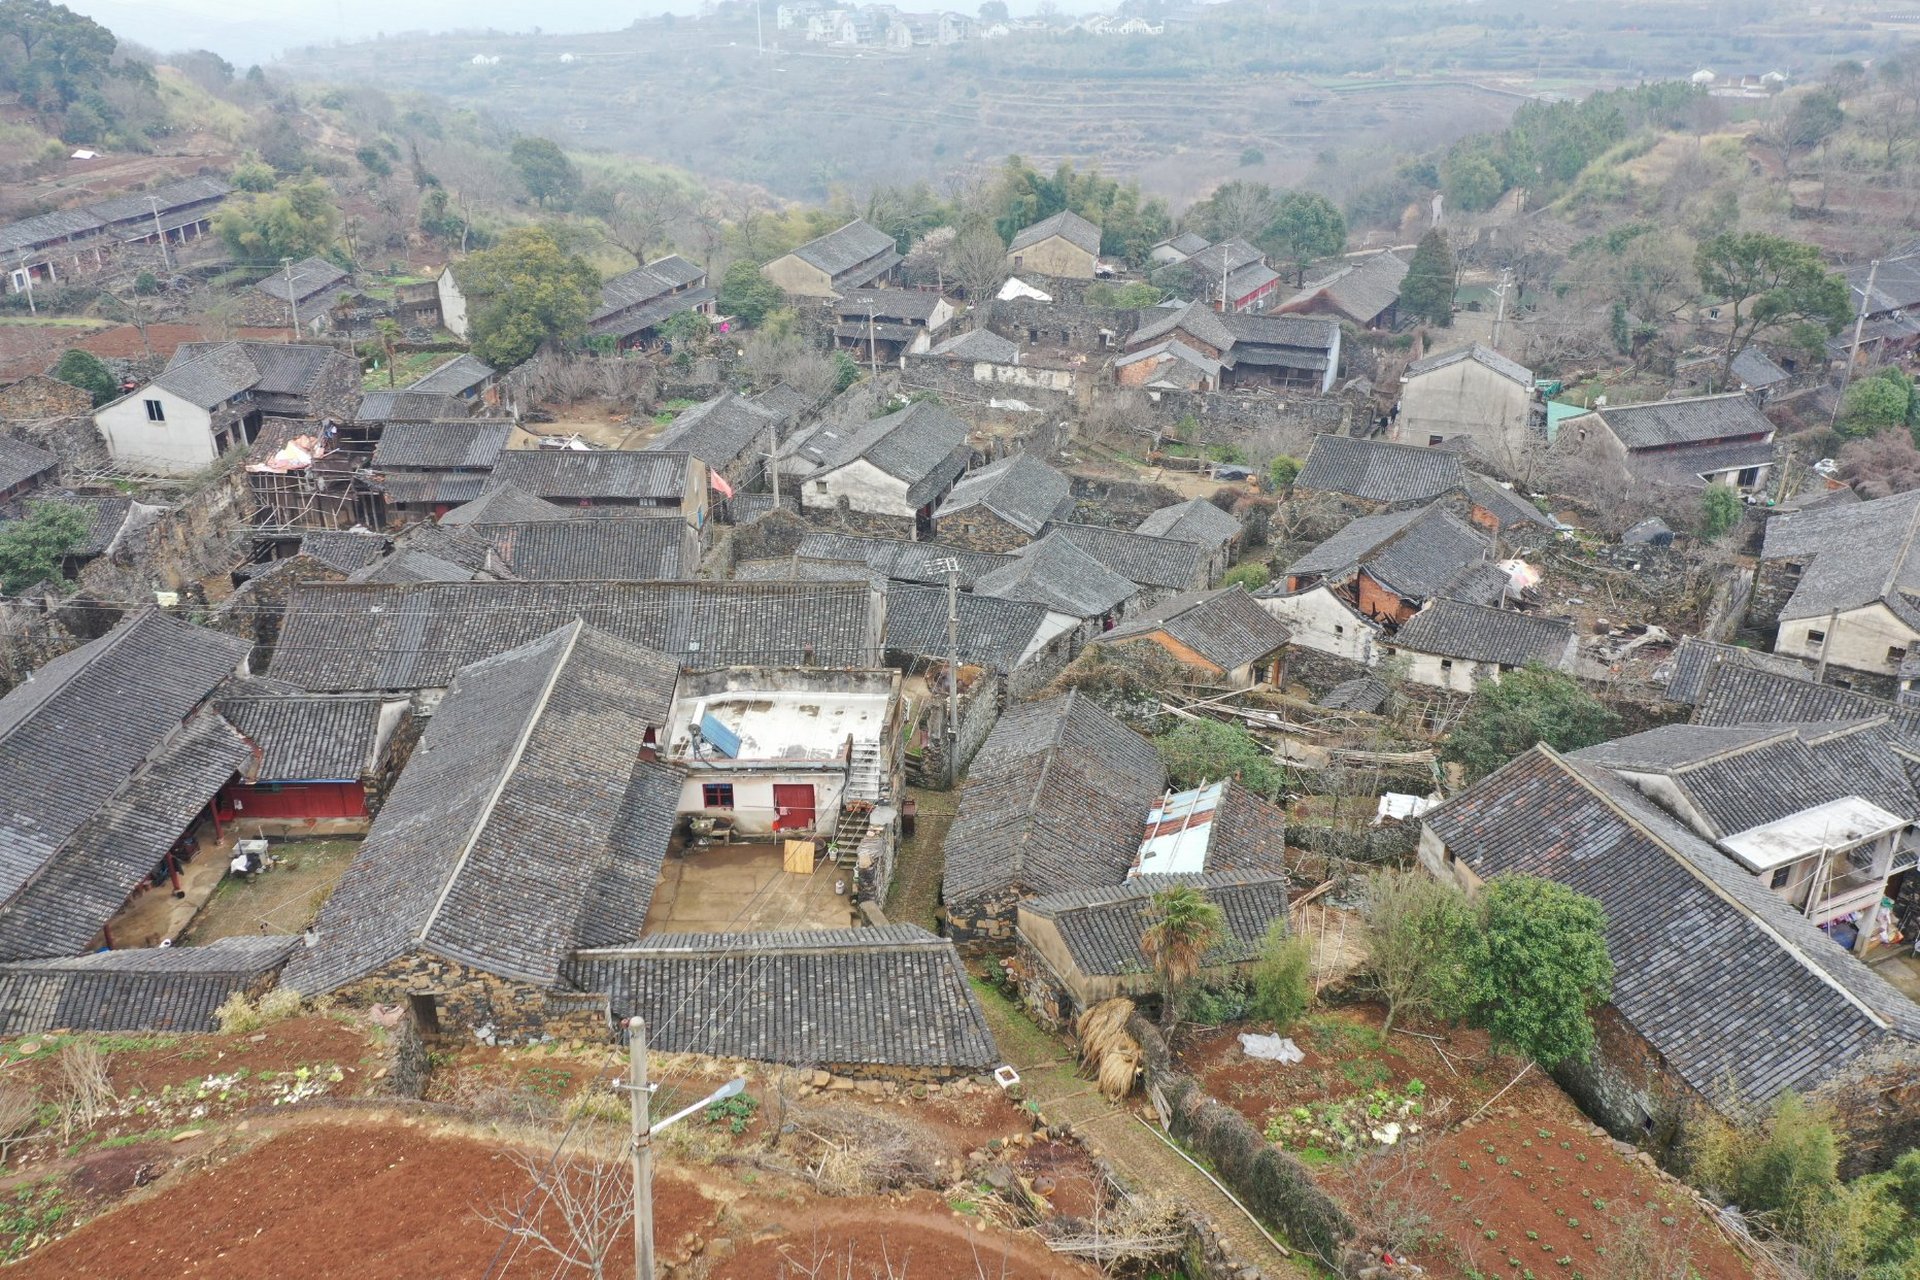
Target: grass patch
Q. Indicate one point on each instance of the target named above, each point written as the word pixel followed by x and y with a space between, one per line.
pixel 408 368
pixel 56 322
pixel 1020 1038
pixel 30 1218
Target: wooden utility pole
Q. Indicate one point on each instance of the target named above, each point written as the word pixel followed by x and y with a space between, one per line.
pixel 642 1128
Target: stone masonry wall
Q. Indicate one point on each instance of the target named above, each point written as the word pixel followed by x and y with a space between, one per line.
pixel 472 1002
pixel 1060 324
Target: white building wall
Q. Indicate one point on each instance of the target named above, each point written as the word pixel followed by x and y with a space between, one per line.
pixel 1319 620
pixel 1859 639
pixel 178 446
pixel 753 809
pixel 453 305
pixel 1467 399
pixel 864 486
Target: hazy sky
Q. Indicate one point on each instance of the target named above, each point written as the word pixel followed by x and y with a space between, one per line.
pixel 246 31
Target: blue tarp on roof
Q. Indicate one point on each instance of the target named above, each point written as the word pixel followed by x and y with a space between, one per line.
pixel 718 736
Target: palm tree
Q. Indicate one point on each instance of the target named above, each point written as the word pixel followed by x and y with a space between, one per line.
pixel 387 330
pixel 1185 926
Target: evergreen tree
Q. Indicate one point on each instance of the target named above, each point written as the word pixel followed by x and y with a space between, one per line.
pixel 1427 292
pixel 79 369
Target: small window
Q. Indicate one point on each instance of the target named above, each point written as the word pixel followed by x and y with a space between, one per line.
pixel 1019 259
pixel 1816 637
pixel 716 795
pixel 1896 654
pixel 819 486
pixel 1434 442
pixel 1780 877
pixel 1749 478
pixel 1446 664
pixel 156 412
pixel 1339 628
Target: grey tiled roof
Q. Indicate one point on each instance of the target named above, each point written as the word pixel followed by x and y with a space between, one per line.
pixel 802 569
pixel 279 368
pixel 1176 349
pixel 845 248
pixel 1692 420
pixel 411 564
pixel 507 504
pixel 1695 659
pixel 74 734
pixel 1433 553
pixel 1195 318
pixel 979 344
pixel 1687 466
pixel 570 474
pixel 1195 520
pixel 1728 983
pixel 1351 545
pixel 786 401
pixel 912 307
pixel 1377 471
pixel 47 228
pixel 344 549
pixel 994 633
pixel 1172 563
pixel 1509 507
pixel 635 549
pixel 1741 694
pixel 1066 224
pixel 341 636
pixel 432 488
pixel 310 276
pixel 891 996
pixel 1853 554
pixel 922 444
pixel 1300 342
pixel 1058 575
pixel 1226 627
pixel 1101 927
pixel 20 461
pixel 522 828
pixel 1362 693
pixel 169 196
pixel 1757 370
pixel 652 283
pixel 309 737
pixel 458 375
pixel 722 431
pixel 209 377
pixel 1453 629
pixel 407 406
pixel 466 444
pixel 140 989
pixel 1057 798
pixel 897 558
pixel 628 322
pixel 1479 354
pixel 1023 491
pixel 60 907
pixel 1358 290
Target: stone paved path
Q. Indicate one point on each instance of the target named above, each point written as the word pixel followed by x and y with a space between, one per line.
pixel 1140 1159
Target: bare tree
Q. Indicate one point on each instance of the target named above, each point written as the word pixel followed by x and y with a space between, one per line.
pixel 127 307
pixel 639 217
pixel 788 358
pixel 578 1208
pixel 18 1110
pixel 977 262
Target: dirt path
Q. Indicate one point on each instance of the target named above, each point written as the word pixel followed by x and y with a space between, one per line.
pixel 1139 1158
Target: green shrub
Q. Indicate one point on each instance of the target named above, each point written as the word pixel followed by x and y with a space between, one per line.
pixel 1282 976
pixel 1283 471
pixel 1719 510
pixel 1198 751
pixel 1250 576
pixel 80 369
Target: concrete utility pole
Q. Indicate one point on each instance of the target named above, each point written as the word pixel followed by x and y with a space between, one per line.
pixel 773 458
pixel 26 273
pixel 951 567
pixel 160 234
pixel 873 349
pixel 1500 312
pixel 293 308
pixel 1859 325
pixel 642 1149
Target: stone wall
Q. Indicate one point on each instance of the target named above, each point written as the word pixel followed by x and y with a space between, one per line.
pixel 1319 671
pixel 1281 422
pixel 473 1003
pixel 1876 1108
pixel 1628 1088
pixel 980 704
pixel 1774 581
pixel 75 440
pixel 978 529
pixel 38 397
pixel 1392 842
pixel 985 918
pixel 954 382
pixel 1120 504
pixel 1076 327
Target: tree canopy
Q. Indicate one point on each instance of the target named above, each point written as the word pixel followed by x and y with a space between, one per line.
pixel 296 220
pixel 1772 285
pixel 1546 967
pixel 62 55
pixel 1886 399
pixel 1198 751
pixel 1424 953
pixel 550 177
pixel 1427 291
pixel 1129 223
pixel 744 292
pixel 31 550
pixel 1183 925
pixel 525 292
pixel 1521 710
pixel 1305 227
pixel 83 370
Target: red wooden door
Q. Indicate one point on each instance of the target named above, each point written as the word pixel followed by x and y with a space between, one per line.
pixel 792 806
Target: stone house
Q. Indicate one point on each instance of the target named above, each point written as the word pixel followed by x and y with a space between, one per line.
pixel 25 468
pixel 1003 506
pixel 855 256
pixel 1081 946
pixel 894 471
pixel 108 757
pixel 1850 578
pixel 1319 618
pixel 1372 474
pixel 304 295
pixel 1456 646
pixel 635 304
pixel 1472 398
pixel 1389 564
pixel 876 325
pixel 891 1002
pixel 642 548
pixel 1065 244
pixel 1063 796
pixel 1364 292
pixel 1200 522
pixel 990 358
pixel 215 396
pixel 347 636
pixel 1060 577
pixel 1251 350
pixel 610 481
pixel 463 377
pixel 39 397
pixel 1224 633
pixel 526 827
pixel 1686 443
pixel 1159 566
pixel 733 435
pixel 1724 995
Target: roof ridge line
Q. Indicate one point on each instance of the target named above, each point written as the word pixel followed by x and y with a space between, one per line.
pixel 500 785
pixel 1791 948
pixel 1906 548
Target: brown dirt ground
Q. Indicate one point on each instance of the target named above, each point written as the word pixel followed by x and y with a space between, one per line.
pixel 29 348
pixel 919 1234
pixel 1572 1190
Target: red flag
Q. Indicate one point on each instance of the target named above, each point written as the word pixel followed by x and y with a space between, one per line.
pixel 717 481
